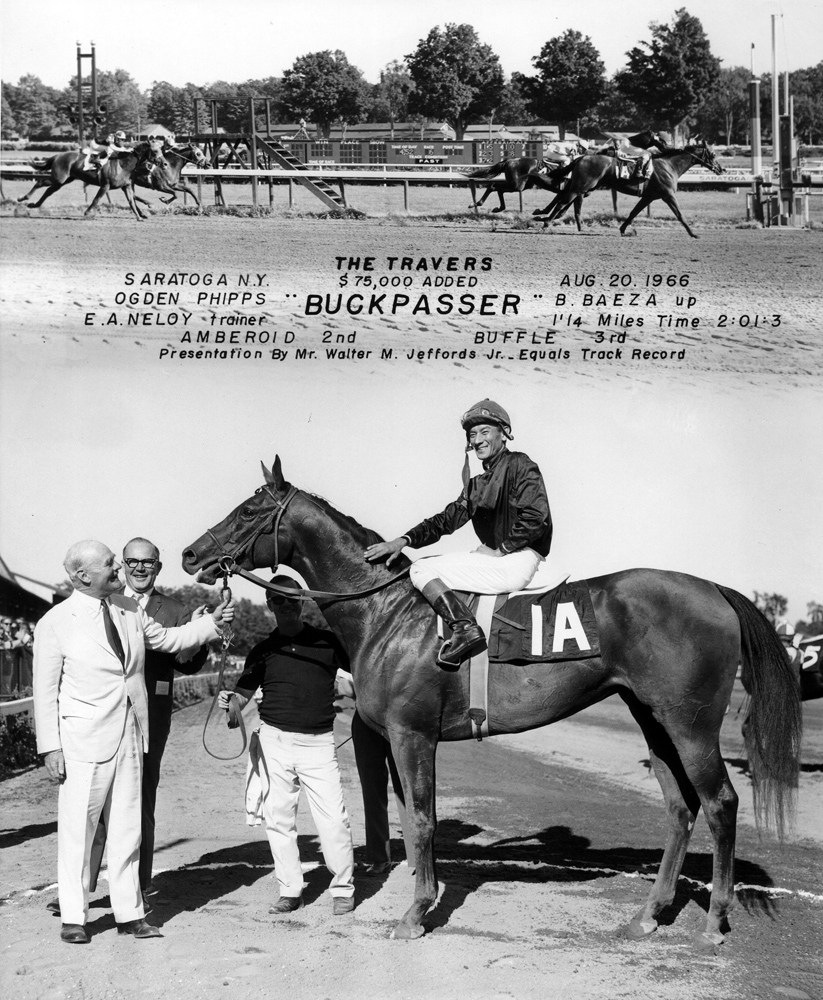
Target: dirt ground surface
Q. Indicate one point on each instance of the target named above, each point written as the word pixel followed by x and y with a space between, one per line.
pixel 766 283
pixel 546 843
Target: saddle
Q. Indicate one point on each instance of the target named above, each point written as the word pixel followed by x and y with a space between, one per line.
pixel 631 164
pixel 528 627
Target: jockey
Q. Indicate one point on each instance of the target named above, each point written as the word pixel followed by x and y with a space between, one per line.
pixel 509 510
pixel 626 151
pixel 98 156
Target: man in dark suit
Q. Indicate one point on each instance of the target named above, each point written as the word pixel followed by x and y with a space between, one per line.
pixel 141 563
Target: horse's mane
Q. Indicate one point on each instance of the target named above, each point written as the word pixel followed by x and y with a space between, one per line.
pixel 366 536
pixel 674 151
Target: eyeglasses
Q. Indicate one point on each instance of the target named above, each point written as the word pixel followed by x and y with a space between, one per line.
pixel 134 563
pixel 278 601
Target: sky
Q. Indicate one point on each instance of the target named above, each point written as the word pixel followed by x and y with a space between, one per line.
pixel 662 473
pixel 201 41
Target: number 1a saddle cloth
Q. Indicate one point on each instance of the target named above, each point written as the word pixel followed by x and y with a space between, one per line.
pixel 528 627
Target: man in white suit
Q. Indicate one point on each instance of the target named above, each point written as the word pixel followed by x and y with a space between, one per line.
pixel 91 716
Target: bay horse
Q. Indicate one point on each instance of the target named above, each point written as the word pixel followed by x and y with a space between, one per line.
pixel 670 645
pixel 116 173
pixel 597 172
pixel 525 172
pixel 166 177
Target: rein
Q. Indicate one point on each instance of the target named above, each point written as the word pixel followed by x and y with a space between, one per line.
pixel 229 566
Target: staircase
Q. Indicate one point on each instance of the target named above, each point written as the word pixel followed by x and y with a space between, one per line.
pixel 318 187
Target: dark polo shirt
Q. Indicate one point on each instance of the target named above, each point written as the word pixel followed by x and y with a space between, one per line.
pixel 296 675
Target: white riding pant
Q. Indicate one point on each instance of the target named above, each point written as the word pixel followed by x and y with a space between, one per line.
pixel 111 789
pixel 477 572
pixel 288 762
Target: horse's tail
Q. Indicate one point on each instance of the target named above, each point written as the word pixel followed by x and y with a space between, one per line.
pixel 775 722
pixel 491 171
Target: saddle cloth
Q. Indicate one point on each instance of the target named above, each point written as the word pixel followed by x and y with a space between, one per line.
pixel 538 626
pixel 530 626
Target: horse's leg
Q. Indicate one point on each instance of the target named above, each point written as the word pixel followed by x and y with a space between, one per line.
pixel 414 756
pixel 182 186
pixel 682 803
pixel 614 201
pixel 129 192
pixel 103 189
pixel 669 199
pixel 578 205
pixel 54 186
pixel 37 185
pixel 705 771
pixel 502 207
pixel 644 200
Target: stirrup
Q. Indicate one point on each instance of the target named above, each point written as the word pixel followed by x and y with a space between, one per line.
pixel 471 648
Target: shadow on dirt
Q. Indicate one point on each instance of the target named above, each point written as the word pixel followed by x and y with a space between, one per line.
pixel 559 855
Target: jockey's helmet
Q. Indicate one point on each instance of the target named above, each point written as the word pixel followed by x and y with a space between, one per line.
pixel 486 412
pixel 120 134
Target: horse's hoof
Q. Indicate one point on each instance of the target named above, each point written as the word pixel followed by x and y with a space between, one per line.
pixel 408 932
pixel 638 930
pixel 707 943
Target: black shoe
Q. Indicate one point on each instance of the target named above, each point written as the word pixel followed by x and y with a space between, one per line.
pixel 342 904
pixel 53 906
pixel 286 904
pixel 377 868
pixel 74 934
pixel 139 929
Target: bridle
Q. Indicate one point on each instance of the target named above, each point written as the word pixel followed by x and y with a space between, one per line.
pixel 228 560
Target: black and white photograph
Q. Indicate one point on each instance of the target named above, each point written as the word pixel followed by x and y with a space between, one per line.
pixel 410 533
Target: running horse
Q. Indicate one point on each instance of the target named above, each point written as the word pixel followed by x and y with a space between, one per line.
pixel 597 172
pixel 670 645
pixel 116 173
pixel 525 172
pixel 166 177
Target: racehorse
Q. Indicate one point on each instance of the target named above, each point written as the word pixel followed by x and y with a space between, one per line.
pixel 116 172
pixel 670 645
pixel 166 177
pixel 525 172
pixel 590 173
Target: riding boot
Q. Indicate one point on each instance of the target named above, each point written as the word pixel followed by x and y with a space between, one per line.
pixel 467 638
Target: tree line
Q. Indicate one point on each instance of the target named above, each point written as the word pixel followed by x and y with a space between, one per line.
pixel 671 81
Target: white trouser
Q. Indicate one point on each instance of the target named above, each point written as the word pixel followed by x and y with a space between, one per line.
pixel 289 761
pixel 477 572
pixel 111 788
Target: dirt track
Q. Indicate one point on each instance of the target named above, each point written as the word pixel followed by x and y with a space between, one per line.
pixel 540 863
pixel 57 270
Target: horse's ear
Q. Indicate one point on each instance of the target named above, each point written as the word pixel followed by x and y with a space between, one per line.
pixel 266 474
pixel 277 472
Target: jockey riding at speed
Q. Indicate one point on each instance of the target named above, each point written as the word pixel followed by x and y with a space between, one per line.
pixel 98 156
pixel 509 510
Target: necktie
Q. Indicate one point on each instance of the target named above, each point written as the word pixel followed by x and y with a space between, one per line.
pixel 111 633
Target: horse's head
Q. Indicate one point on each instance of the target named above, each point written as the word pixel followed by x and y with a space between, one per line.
pixel 705 157
pixel 191 153
pixel 248 536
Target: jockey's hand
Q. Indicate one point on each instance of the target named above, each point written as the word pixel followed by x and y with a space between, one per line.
pixel 223 700
pixel 55 766
pixel 198 612
pixel 388 551
pixel 223 613
pixel 484 550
